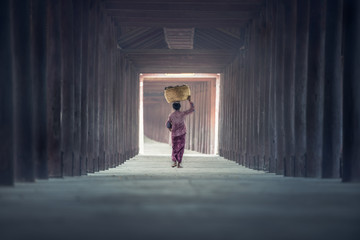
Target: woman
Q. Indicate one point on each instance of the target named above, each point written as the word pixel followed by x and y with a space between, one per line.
pixel 176 125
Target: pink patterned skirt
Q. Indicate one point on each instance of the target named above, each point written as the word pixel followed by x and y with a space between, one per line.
pixel 178 145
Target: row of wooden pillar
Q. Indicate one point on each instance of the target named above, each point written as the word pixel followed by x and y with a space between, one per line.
pixel 289 101
pixel 69 98
pixel 200 124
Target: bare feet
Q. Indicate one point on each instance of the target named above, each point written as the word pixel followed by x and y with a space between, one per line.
pixel 174 164
pixel 179 166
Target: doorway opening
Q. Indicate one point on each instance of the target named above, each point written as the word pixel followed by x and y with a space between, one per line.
pixel 202 125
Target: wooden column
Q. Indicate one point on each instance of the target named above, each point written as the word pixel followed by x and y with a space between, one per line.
pixel 301 73
pixel 269 123
pixel 102 82
pixel 6 98
pixel 244 107
pixel 289 85
pixel 84 89
pixel 96 88
pixel 67 87
pixel 256 94
pixel 247 120
pixel 263 84
pixel 53 80
pixel 351 105
pixel 279 102
pixel 272 89
pixel 315 88
pixel 38 71
pixel 91 87
pixel 251 123
pixel 78 58
pixel 23 147
pixel 332 138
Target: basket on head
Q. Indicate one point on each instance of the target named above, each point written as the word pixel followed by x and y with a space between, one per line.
pixel 177 93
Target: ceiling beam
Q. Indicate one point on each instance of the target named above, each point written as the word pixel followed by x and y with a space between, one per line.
pixel 186 6
pixel 180 22
pixel 176 69
pixel 181 14
pixel 179 52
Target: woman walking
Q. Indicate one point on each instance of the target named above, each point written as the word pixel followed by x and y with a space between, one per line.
pixel 176 125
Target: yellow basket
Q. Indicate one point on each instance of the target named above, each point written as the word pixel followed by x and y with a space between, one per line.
pixel 177 93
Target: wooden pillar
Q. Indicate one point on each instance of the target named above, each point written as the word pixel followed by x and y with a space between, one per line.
pixel 268 100
pixel 77 51
pixel 247 121
pixel 279 102
pixel 95 88
pixel 264 79
pixel 102 82
pixel 117 107
pixel 6 98
pixel 91 50
pixel 351 105
pixel 23 147
pixel 38 75
pixel 84 90
pixel 67 87
pixel 243 110
pixel 272 89
pixel 121 97
pixel 289 85
pixel 256 95
pixel 301 73
pixel 332 138
pixel 252 97
pixel 315 88
pixel 53 80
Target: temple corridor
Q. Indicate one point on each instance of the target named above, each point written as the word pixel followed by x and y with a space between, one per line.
pixel 272 149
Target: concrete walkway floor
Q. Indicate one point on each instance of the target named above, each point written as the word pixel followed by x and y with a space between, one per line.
pixel 210 198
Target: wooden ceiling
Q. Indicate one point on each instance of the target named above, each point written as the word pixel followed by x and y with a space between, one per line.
pixel 161 36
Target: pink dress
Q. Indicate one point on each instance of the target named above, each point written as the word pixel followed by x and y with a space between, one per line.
pixel 178 132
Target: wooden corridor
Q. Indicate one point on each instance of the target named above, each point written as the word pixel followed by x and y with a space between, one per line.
pixel 210 198
pixel 277 95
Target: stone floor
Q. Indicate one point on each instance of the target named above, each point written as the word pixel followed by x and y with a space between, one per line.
pixel 210 198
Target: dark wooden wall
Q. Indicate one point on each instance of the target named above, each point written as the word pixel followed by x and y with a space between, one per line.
pixel 282 97
pixel 200 125
pixel 69 98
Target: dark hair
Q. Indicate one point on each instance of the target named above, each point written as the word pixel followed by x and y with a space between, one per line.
pixel 176 105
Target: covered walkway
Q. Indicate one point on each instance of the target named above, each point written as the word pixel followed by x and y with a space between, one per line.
pixel 273 145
